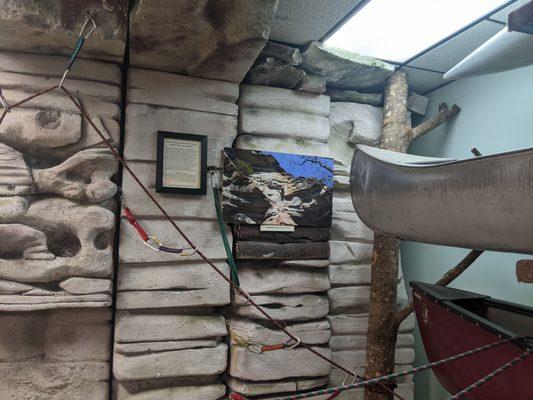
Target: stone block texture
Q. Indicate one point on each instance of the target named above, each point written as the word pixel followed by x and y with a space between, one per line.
pixel 286 273
pixel 57 223
pixel 169 334
pixel 217 39
pixel 52 27
pixel 351 254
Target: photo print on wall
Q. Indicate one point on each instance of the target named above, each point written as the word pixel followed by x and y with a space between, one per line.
pixel 268 188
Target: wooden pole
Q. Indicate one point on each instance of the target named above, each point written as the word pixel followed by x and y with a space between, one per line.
pixel 396 135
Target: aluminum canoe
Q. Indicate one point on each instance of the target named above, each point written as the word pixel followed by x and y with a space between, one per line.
pixel 481 203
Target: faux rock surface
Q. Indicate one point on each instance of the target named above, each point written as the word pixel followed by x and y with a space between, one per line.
pixel 353 96
pixel 277 364
pixel 57 238
pixel 175 363
pixel 272 72
pixel 288 54
pixel 207 392
pixel 343 69
pixel 217 39
pixel 169 331
pixel 52 27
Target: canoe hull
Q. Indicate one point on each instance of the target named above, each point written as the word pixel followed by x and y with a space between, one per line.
pixel 481 203
pixel 446 333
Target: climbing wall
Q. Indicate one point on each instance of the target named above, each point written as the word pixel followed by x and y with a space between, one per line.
pixel 285 272
pixel 351 254
pixel 56 227
pixel 169 332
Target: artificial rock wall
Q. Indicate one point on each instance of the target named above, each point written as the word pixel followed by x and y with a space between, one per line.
pixel 56 227
pixel 169 331
pixel 285 272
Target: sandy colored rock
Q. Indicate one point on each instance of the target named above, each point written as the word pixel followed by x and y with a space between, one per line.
pixel 347 252
pixel 349 274
pixel 217 40
pixel 357 123
pixel 53 381
pixel 133 349
pixel 86 285
pixel 52 27
pixel 283 124
pixel 177 205
pixel 277 364
pixel 315 332
pixel 248 388
pixel 15 176
pixel 55 336
pixel 288 54
pixel 144 121
pixel 207 392
pixel 312 84
pixel 86 176
pixel 188 93
pixel 81 233
pixel 178 363
pixel 189 284
pixel 347 226
pixel 344 69
pixel 272 72
pixel 287 308
pixel 349 299
pixel 358 324
pixel 354 96
pixel 259 280
pixel 149 327
pixel 205 234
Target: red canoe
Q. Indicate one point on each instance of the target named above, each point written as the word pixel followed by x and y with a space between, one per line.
pixel 453 321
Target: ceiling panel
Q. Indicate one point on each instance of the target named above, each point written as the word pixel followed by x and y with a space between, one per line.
pixel 448 54
pixel 302 21
pixel 502 15
pixel 421 81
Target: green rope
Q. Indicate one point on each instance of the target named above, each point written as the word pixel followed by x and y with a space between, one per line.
pixel 230 260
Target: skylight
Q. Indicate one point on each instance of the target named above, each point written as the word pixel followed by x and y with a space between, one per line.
pixel 396 30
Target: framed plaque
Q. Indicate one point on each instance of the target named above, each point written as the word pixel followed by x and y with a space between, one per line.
pixel 181 163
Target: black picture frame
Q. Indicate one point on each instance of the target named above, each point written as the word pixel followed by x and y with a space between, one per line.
pixel 162 136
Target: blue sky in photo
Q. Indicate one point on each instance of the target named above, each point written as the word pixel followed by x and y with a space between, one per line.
pixel 306 166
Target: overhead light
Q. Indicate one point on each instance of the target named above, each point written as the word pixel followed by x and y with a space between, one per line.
pixel 396 30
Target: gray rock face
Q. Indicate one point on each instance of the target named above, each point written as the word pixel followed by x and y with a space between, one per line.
pixel 52 27
pixel 353 96
pixel 56 354
pixel 288 54
pixel 276 365
pixel 169 329
pixel 169 364
pixel 217 39
pixel 57 249
pixel 312 83
pixel 343 69
pixel 272 72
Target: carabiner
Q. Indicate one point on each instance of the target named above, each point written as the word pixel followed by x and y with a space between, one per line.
pixel 153 242
pixel 89 33
pixel 255 348
pixel 348 375
pixel 294 345
pixel 189 254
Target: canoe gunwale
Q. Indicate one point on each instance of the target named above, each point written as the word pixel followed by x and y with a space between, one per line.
pixel 435 164
pixel 451 306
